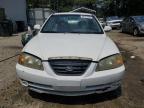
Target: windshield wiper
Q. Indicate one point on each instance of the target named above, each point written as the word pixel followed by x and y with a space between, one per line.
pixel 49 32
pixel 88 32
pixel 73 32
pixel 53 32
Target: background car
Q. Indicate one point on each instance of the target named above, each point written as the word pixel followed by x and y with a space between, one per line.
pixel 114 22
pixel 133 24
pixel 102 22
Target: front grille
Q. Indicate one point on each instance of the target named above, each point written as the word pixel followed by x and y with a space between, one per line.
pixel 72 67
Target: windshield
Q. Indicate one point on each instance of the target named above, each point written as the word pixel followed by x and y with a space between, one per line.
pixel 101 19
pixel 112 18
pixel 139 18
pixel 72 24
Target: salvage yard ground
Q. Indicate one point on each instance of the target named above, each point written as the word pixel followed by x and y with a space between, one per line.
pixel 13 95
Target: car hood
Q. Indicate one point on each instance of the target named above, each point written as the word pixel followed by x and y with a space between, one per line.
pixel 141 24
pixel 65 45
pixel 114 21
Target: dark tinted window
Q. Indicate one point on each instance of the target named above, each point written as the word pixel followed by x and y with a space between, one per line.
pixel 112 18
pixel 139 18
pixel 125 19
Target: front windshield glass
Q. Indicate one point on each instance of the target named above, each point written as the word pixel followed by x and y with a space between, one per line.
pixel 139 18
pixel 112 18
pixel 101 19
pixel 72 24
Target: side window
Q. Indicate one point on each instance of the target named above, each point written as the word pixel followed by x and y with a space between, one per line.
pixel 126 20
pixel 131 20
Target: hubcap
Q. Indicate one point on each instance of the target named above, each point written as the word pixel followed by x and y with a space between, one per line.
pixel 135 32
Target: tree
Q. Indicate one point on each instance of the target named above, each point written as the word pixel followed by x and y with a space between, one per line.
pixel 125 7
pixel 86 3
pixel 135 7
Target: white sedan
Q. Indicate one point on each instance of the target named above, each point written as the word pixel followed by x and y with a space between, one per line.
pixel 114 22
pixel 71 56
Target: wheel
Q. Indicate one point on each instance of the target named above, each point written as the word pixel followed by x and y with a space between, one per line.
pixel 121 30
pixel 10 34
pixel 135 32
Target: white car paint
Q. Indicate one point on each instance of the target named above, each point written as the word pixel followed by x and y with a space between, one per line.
pixel 54 45
pixel 94 46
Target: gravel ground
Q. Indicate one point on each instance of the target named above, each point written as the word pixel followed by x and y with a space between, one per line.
pixel 13 95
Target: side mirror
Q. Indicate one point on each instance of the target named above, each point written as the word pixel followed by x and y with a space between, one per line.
pixel 107 28
pixel 37 27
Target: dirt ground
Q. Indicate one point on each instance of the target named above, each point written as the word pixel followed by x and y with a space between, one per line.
pixel 13 95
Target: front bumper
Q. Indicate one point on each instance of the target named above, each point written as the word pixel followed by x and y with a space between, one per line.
pixel 89 83
pixel 141 31
pixel 116 25
pixel 40 88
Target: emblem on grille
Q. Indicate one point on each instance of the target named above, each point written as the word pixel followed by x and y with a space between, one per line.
pixel 69 68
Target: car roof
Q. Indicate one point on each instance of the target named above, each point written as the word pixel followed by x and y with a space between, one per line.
pixel 137 16
pixel 71 13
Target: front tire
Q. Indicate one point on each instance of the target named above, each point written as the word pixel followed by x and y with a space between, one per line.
pixel 121 30
pixel 135 32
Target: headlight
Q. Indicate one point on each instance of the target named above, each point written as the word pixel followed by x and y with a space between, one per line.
pixel 111 62
pixel 141 26
pixel 30 61
pixel 109 23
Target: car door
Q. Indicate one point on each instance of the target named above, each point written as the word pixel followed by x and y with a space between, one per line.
pixel 131 25
pixel 127 25
pixel 123 24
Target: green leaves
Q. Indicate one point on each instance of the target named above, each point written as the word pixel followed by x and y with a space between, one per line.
pixel 84 1
pixel 60 5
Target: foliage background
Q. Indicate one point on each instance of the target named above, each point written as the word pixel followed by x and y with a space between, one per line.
pixel 103 7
